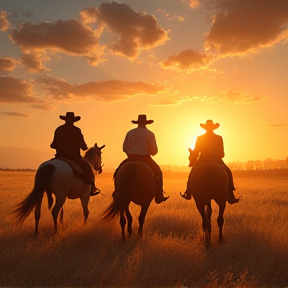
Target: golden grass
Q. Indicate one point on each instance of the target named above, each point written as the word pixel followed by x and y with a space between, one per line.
pixel 170 254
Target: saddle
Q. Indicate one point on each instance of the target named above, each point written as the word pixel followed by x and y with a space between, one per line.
pixel 76 169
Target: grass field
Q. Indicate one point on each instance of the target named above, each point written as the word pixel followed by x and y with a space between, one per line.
pixel 170 254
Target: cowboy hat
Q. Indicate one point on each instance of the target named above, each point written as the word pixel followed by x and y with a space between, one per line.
pixel 209 126
pixel 70 117
pixel 142 119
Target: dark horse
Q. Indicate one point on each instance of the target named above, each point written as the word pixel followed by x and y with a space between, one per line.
pixel 134 182
pixel 56 176
pixel 208 181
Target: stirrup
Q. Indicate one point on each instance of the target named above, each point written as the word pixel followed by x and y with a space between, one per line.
pixel 186 196
pixel 95 192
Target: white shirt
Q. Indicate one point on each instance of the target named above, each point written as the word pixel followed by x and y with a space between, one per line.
pixel 141 141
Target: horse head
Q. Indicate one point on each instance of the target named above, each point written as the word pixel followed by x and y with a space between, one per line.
pixel 192 157
pixel 94 157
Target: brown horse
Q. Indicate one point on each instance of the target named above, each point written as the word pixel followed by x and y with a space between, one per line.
pixel 209 181
pixel 134 182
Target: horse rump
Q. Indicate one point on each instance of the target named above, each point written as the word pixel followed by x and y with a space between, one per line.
pixel 42 182
pixel 124 182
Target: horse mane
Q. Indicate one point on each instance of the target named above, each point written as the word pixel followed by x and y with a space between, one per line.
pixel 90 153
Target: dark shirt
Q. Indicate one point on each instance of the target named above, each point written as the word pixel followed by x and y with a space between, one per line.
pixel 68 140
pixel 210 146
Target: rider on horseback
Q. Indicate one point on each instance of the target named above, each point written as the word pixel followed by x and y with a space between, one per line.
pixel 68 140
pixel 139 145
pixel 211 149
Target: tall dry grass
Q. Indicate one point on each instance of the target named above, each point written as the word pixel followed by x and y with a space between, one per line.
pixel 170 254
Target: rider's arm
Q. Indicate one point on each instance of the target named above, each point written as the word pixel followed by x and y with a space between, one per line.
pixel 153 149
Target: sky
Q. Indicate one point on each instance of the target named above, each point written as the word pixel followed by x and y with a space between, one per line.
pixel 180 62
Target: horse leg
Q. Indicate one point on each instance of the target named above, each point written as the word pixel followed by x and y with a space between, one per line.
pixel 60 200
pixel 61 215
pixel 37 217
pixel 208 212
pixel 129 219
pixel 220 221
pixel 141 218
pixel 201 209
pixel 84 203
pixel 122 223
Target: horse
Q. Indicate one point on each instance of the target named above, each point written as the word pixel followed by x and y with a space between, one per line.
pixel 56 177
pixel 134 182
pixel 208 181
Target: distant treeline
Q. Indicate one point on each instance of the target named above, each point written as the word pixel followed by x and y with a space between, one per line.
pixel 267 164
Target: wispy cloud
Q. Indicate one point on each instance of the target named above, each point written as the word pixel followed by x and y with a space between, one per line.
pixel 16 114
pixel 277 125
pixel 103 91
pixel 4 23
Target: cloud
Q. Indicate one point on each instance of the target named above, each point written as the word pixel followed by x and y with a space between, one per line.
pixel 136 31
pixel 17 114
pixel 33 61
pixel 192 3
pixel 171 17
pixel 7 64
pixel 245 26
pixel 14 90
pixel 236 96
pixel 188 60
pixel 68 36
pixel 4 23
pixel 104 91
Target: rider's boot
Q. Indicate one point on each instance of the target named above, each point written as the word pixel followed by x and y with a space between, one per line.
pixel 186 195
pixel 231 199
pixel 159 198
pixel 94 190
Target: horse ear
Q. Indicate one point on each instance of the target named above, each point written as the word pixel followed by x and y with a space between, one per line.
pixel 95 145
pixel 190 150
pixel 101 147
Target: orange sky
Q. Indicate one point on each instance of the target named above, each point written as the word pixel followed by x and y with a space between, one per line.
pixel 180 63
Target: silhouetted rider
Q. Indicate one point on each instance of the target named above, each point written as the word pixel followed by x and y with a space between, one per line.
pixel 209 147
pixel 139 144
pixel 68 140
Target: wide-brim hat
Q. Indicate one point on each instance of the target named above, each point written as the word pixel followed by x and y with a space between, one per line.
pixel 142 119
pixel 70 117
pixel 209 125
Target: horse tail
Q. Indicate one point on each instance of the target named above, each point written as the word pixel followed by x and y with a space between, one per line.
pixel 121 197
pixel 43 178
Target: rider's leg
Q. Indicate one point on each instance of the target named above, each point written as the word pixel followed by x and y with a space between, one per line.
pixel 231 199
pixel 159 198
pixel 89 176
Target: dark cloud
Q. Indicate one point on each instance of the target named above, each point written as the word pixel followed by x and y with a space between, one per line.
pixel 14 90
pixel 68 36
pixel 4 23
pixel 136 30
pixel 17 91
pixel 17 114
pixel 105 91
pixel 32 62
pixel 7 64
pixel 245 26
pixel 188 60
